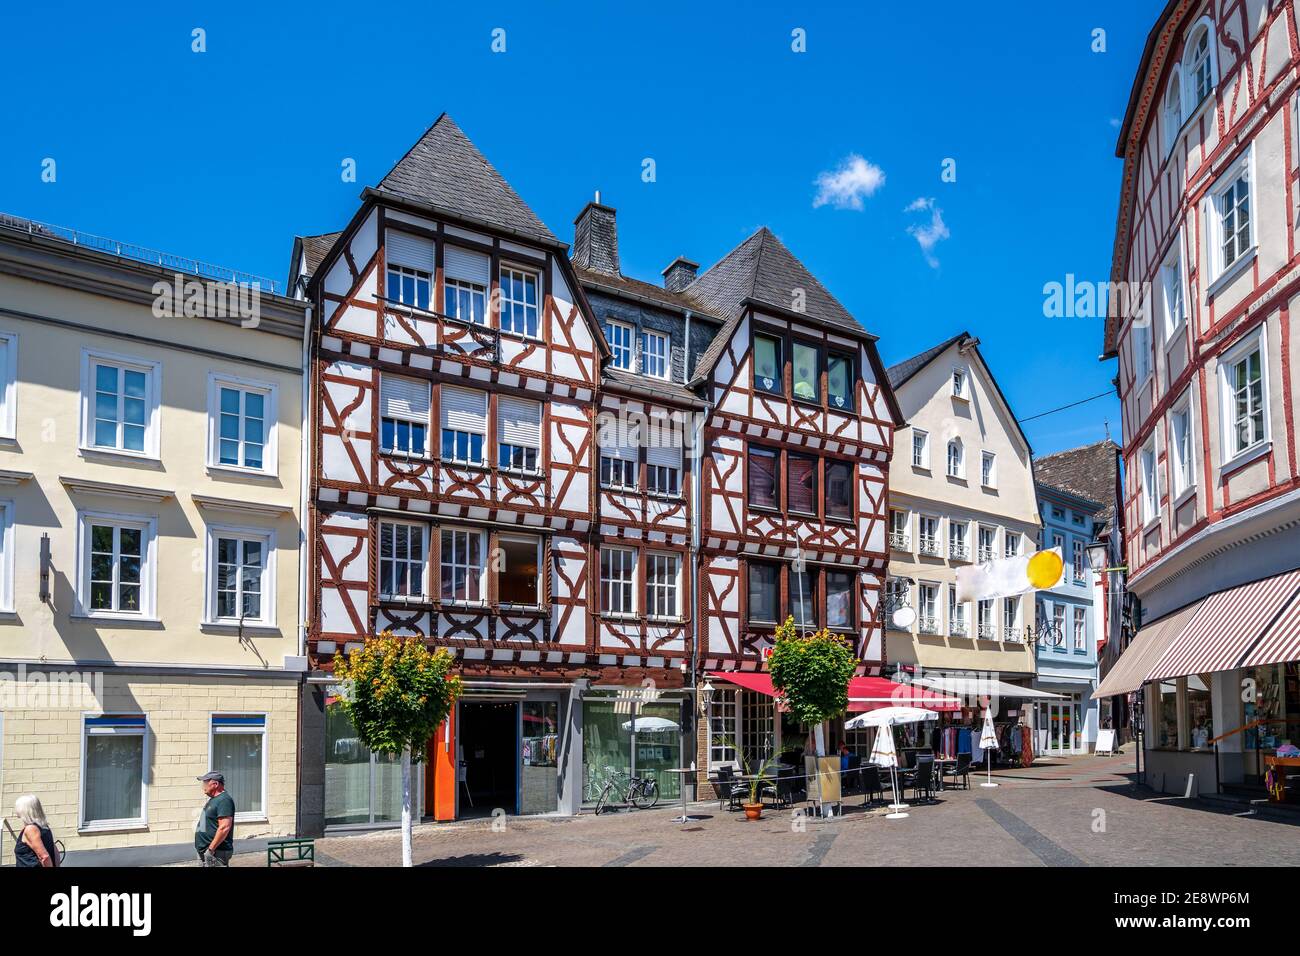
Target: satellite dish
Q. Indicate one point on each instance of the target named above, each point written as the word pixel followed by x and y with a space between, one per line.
pixel 904 617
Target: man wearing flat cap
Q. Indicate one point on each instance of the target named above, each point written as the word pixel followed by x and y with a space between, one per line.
pixel 214 833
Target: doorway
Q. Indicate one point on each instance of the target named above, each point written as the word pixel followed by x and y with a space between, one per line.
pixel 489 757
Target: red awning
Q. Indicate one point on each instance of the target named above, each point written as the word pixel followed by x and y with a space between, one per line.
pixel 865 693
pixel 872 693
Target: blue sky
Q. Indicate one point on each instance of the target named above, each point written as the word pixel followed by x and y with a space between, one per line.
pixel 225 155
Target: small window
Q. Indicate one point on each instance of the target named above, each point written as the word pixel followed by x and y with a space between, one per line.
pixel 113 778
pixel 619 337
pixel 519 433
pixel 1171 280
pixel 1011 544
pixel 1140 342
pixel 958 546
pixel 767 365
pixel 620 458
pixel 409 287
pixel 959 383
pixel 241 586
pixel 663 469
pixel 662 583
pixel 1058 513
pixel 1199 66
pixel 988 469
pixel 1011 619
pixel 839 381
pixel 1077 559
pixel 920 448
pixel 403 415
pixel 8 385
pixel 986 538
pixel 1173 110
pixel 763 477
pixel 1246 399
pixel 242 425
pixel 402 560
pixel 238 746
pixel 839 490
pixel 801 486
pixel 519 302
pixel 956 613
pixel 519 570
pixel 464 424
pixel 465 282
pixel 928 533
pixel 764 592
pixel 898 530
pixel 839 599
pixel 617 473
pixel 1150 492
pixel 927 612
pixel 956 460
pixel 984 620
pixel 617 581
pixel 1233 206
pixel 803 597
pixel 121 403
pixel 1180 422
pixel 118 558
pixel 655 354
pixel 805 372
pixel 1080 629
pixel 462 566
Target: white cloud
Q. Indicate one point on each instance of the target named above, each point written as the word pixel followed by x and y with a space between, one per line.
pixel 927 237
pixel 1114 121
pixel 845 188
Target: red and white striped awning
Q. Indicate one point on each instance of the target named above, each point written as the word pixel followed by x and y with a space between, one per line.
pixel 1281 642
pixel 1227 625
pixel 1148 646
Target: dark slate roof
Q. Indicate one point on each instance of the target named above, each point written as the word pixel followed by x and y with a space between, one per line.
pixel 315 248
pixel 762 270
pixel 444 169
pixel 900 373
pixel 656 295
pixel 1088 472
pixel 622 380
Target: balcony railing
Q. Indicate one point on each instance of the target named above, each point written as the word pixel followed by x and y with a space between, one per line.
pixel 1011 634
pixel 987 632
pixel 929 625
pixel 930 546
pixel 958 551
pixel 957 628
pixel 986 554
pixel 899 542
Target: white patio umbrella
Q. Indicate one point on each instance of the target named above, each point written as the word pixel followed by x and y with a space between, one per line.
pixel 650 725
pixel 883 753
pixel 989 743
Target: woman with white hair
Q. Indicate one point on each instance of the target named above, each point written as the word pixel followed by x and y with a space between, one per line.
pixel 35 845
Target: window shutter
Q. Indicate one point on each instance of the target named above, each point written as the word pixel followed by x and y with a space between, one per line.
pixel 465 265
pixel 464 409
pixel 519 421
pixel 762 478
pixel 802 492
pixel 404 249
pixel 405 398
pixel 667 455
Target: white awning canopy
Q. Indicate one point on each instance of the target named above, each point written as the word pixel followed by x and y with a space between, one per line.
pixel 974 687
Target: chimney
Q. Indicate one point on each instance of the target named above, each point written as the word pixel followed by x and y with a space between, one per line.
pixel 679 274
pixel 595 238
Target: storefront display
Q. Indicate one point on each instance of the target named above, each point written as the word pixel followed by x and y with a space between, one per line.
pixel 610 743
pixel 361 788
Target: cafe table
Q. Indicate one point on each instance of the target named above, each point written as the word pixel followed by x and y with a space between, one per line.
pixel 681 789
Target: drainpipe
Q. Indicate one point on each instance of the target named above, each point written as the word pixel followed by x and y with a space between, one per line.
pixel 304 482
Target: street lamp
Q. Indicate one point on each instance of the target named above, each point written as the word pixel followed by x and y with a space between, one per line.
pixel 895 608
pixel 706 696
pixel 1097 555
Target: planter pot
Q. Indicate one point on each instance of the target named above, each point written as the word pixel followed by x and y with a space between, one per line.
pixel 753 811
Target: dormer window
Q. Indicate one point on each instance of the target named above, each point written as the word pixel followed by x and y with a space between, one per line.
pixel 805 372
pixel 409 287
pixel 519 302
pixel 464 282
pixel 619 337
pixel 655 354
pixel 410 260
pixel 767 365
pixel 839 381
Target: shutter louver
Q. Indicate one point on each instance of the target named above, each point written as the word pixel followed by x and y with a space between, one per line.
pixel 463 409
pixel 519 422
pixel 666 455
pixel 404 249
pixel 404 398
pixel 465 265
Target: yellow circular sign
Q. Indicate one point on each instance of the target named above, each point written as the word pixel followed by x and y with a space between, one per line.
pixel 1044 569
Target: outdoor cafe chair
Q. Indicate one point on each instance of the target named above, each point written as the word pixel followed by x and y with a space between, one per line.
pixel 961 771
pixel 870 777
pixel 921 779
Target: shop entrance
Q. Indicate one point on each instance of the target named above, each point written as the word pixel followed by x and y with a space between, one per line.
pixel 1058 726
pixel 489 757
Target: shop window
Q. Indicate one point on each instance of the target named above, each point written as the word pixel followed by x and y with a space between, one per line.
pixel 113 778
pixel 540 746
pixel 1166 729
pixel 722 728
pixel 1198 713
pixel 360 787
pixel 238 744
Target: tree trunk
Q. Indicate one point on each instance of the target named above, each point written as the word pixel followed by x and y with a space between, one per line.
pixel 406 807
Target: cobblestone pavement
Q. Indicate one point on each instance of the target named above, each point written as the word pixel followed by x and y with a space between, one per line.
pixel 1080 811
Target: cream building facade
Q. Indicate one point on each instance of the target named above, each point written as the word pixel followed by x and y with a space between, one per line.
pixel 150 493
pixel 961 490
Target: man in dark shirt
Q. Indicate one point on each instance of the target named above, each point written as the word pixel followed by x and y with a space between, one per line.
pixel 214 834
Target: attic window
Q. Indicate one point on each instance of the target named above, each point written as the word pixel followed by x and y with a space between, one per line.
pixel 959 383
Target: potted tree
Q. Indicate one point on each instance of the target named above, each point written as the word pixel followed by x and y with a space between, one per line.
pixel 396 694
pixel 755 780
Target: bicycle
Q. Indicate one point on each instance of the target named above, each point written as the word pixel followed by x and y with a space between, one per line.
pixel 640 792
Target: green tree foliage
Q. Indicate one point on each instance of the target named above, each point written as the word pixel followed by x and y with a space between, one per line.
pixel 812 672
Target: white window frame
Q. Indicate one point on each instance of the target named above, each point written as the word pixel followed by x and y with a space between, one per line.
pixel 1149 478
pixel 985 631
pixel 1173 281
pixel 1182 460
pixel 1172 112
pixel 906 533
pixel 1234 356
pixel 153 402
pixel 1191 103
pixel 7 554
pixel 270 393
pixel 1011 540
pixel 410 419
pixel 724 706
pixel 991 552
pixel 136 823
pixel 671 590
pixel 624 580
pixel 507 301
pixel 425 561
pixel 958 625
pixel 920 455
pixel 618 349
pixel 454 564
pixel 1011 632
pixel 148 525
pixel 960 383
pixel 1079 623
pixel 664 339
pixel 265 537
pixel 1139 338
pixel 988 469
pixel 931 541
pixel 1078 562
pixel 9 387
pixel 956 466
pixel 1221 273
pixel 419 276
pixel 959 528
pixel 927 597
pixel 245 816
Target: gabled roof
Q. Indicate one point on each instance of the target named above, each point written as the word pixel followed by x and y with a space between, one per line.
pixel 762 271
pixel 903 372
pixel 1089 472
pixel 315 248
pixel 900 373
pixel 621 285
pixel 445 170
